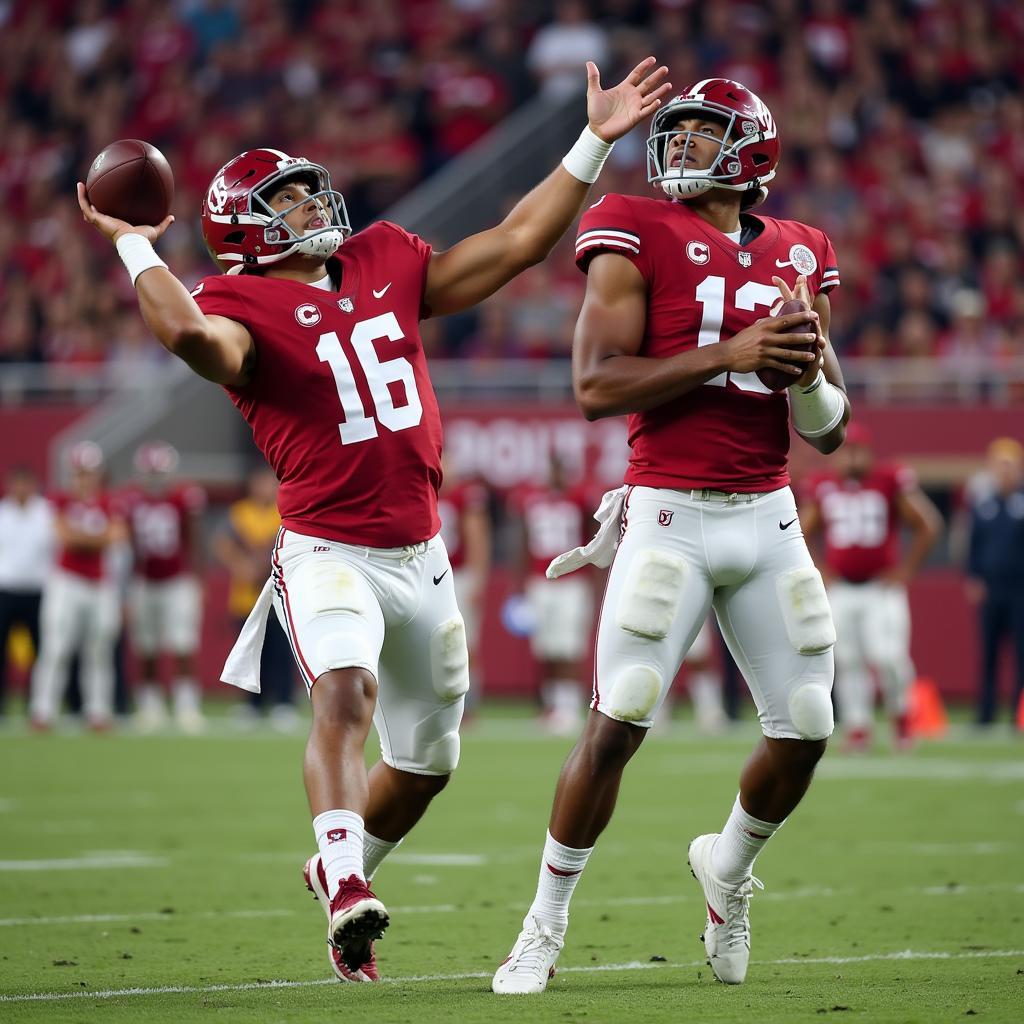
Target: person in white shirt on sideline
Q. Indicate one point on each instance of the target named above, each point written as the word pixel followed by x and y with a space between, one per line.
pixel 26 554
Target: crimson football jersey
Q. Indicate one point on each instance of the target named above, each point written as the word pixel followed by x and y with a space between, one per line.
pixel 731 433
pixel 161 527
pixel 92 518
pixel 554 521
pixel 861 520
pixel 453 503
pixel 340 402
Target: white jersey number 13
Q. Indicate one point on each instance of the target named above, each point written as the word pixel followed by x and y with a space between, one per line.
pixel 379 374
pixel 711 295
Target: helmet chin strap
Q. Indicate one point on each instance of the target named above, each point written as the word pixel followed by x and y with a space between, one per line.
pixel 323 243
pixel 685 188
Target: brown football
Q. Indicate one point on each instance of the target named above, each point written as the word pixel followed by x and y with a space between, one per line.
pixel 779 380
pixel 131 180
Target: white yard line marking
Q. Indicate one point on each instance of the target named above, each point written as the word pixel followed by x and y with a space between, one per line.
pixel 446 860
pixel 87 862
pixel 963 890
pixel 923 769
pixel 811 892
pixel 942 849
pixel 633 965
pixel 19 922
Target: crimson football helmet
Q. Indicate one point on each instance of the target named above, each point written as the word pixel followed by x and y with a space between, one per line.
pixel 240 227
pixel 748 152
pixel 155 458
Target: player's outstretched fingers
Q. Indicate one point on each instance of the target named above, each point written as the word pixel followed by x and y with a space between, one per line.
pixel 637 73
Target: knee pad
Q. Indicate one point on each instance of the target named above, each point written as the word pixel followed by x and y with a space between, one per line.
pixel 442 756
pixel 634 693
pixel 651 595
pixel 333 587
pixel 810 708
pixel 449 659
pixel 805 610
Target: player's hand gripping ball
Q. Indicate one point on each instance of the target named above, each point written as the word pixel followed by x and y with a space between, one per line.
pixel 132 181
pixel 779 380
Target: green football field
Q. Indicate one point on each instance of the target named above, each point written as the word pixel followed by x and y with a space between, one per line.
pixel 160 879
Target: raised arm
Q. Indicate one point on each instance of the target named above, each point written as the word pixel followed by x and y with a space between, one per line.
pixel 610 379
pixel 216 348
pixel 479 265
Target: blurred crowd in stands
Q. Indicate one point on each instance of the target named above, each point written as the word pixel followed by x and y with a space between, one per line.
pixel 902 123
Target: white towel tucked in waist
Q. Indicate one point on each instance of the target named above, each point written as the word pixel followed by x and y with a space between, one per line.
pixel 601 549
pixel 242 668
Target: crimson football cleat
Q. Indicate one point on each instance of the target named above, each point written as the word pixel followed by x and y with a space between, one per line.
pixel 357 919
pixel 316 883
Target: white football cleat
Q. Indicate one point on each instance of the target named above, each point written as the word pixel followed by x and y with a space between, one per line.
pixel 727 931
pixel 531 964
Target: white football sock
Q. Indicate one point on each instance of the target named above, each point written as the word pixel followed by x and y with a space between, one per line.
pixel 187 699
pixel 742 839
pixel 339 835
pixel 150 699
pixel 374 851
pixel 560 870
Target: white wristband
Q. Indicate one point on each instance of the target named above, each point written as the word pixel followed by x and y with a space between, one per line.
pixel 137 254
pixel 818 408
pixel 587 156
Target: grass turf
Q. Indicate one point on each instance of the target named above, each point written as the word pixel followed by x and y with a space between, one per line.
pixel 894 894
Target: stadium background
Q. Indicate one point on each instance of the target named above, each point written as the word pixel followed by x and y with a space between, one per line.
pixel 903 137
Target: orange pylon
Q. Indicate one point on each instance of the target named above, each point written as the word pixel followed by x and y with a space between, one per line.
pixel 926 712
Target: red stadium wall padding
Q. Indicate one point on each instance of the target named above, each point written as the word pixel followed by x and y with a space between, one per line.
pixel 26 433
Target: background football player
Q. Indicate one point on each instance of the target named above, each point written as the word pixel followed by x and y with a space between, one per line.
pixel 80 610
pixel 859 509
pixel 165 602
pixel 553 516
pixel 317 343
pixel 674 332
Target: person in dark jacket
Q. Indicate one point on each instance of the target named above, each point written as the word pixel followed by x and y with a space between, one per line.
pixel 995 569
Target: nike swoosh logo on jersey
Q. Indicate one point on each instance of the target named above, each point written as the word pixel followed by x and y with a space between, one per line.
pixel 783 263
pixel 437 579
pixel 786 526
pixel 380 294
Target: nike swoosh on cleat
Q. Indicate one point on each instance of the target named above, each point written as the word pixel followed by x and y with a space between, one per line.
pixel 714 915
pixel 786 526
pixel 437 579
pixel 380 294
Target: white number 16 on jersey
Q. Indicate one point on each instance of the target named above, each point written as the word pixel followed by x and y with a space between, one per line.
pixel 358 426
